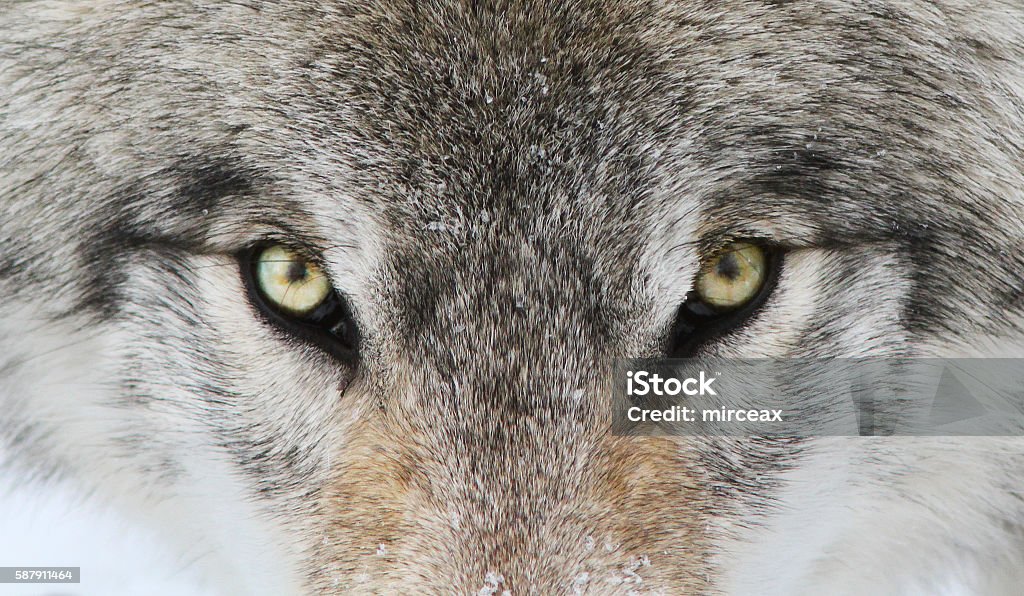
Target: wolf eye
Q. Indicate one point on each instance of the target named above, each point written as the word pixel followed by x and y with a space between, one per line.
pixel 733 277
pixel 295 294
pixel 729 289
pixel 290 282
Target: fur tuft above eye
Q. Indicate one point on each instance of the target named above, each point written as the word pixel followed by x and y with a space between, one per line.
pixel 293 293
pixel 731 286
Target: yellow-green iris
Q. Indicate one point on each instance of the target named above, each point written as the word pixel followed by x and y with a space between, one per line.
pixel 291 282
pixel 733 277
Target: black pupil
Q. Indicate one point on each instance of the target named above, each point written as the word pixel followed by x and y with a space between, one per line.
pixel 728 266
pixel 296 271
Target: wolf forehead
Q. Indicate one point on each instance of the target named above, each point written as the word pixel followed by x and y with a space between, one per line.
pixel 545 115
pixel 580 112
pixel 588 122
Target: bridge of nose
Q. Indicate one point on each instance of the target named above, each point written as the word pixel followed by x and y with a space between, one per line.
pixel 521 293
pixel 420 503
pixel 489 457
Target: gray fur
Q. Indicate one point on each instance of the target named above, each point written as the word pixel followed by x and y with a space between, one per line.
pixel 512 195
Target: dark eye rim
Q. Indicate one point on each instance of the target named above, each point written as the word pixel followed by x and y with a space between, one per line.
pixel 697 323
pixel 330 326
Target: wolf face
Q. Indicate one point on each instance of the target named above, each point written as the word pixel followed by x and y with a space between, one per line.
pixel 506 198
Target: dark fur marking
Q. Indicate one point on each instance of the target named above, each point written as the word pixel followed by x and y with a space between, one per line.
pixel 204 184
pixel 120 228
